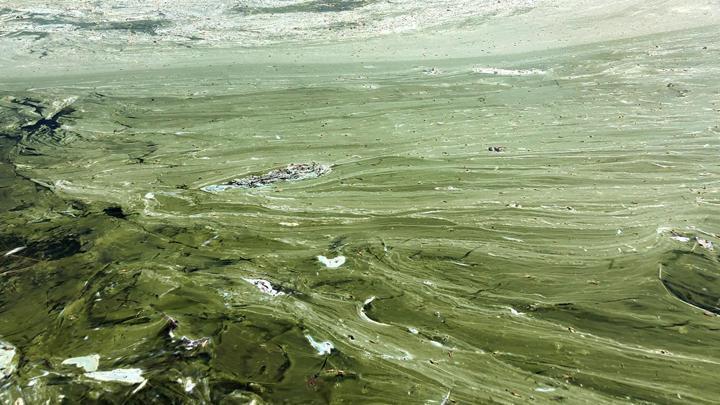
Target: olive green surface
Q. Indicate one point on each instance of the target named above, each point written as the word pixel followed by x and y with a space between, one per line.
pixel 521 231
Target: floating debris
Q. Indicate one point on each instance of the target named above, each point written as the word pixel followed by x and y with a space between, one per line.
pixel 291 172
pixel 680 238
pixel 545 389
pixel 13 251
pixel 7 357
pixel 337 373
pixel 433 71
pixel 192 344
pixel 496 149
pixel 414 331
pixel 264 286
pixel 321 347
pixel 88 363
pixel 507 72
pixel 675 235
pixel 332 263
pixel 121 375
pixel 704 243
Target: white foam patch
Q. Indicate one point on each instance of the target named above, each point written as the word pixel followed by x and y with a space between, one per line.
pixel 332 263
pixel 88 363
pixel 7 355
pixel 121 375
pixel 321 347
pixel 508 72
pixel 187 383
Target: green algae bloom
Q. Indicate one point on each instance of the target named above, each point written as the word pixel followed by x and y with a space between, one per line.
pixel 360 202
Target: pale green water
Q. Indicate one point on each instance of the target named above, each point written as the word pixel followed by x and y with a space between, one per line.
pixel 527 275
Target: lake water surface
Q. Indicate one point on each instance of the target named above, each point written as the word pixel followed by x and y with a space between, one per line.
pixel 526 196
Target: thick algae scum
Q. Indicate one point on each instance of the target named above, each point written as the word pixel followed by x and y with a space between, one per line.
pixel 465 217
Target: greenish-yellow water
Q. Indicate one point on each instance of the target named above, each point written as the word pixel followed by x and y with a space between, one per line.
pixel 518 227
